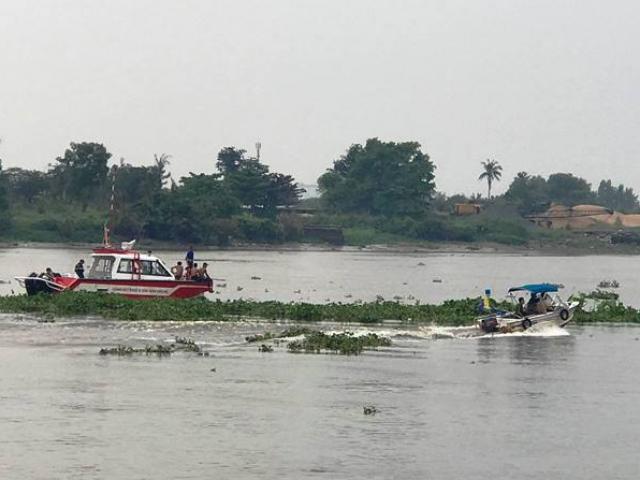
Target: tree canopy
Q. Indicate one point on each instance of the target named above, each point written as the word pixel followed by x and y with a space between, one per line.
pixel 380 178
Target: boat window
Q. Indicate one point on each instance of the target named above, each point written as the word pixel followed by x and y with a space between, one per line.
pixel 125 266
pixel 101 267
pixel 150 267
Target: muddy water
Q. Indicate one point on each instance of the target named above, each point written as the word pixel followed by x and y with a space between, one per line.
pixel 553 404
pixel 349 276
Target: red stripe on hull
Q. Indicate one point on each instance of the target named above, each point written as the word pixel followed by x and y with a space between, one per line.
pixel 142 289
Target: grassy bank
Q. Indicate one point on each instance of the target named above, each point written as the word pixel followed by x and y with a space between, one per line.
pixel 450 313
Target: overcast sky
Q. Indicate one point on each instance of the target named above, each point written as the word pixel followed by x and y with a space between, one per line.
pixel 541 86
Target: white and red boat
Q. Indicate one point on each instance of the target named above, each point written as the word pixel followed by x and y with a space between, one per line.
pixel 121 270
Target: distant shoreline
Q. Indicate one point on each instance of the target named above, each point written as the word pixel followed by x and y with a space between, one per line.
pixel 397 248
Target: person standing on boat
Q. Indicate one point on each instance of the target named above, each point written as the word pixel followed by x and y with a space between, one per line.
pixel 189 257
pixel 177 270
pixel 520 309
pixel 79 269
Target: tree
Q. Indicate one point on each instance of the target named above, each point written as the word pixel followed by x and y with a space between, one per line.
pixel 249 180
pixel 5 213
pixel 25 185
pixel 380 178
pixel 528 193
pixel 617 198
pixel 569 190
pixel 81 172
pixel 492 172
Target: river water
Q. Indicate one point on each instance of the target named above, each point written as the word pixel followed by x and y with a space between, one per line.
pixel 550 403
pixel 348 276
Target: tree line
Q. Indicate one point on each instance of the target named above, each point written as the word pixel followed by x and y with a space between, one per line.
pixel 240 199
pixel 383 186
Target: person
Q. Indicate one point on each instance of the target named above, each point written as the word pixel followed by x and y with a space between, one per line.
pixel 520 308
pixel 48 274
pixel 79 269
pixel 485 303
pixel 200 274
pixel 547 303
pixel 203 274
pixel 190 256
pixel 177 270
pixel 532 304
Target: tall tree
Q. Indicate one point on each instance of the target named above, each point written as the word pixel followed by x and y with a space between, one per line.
pixel 81 172
pixel 492 172
pixel 5 213
pixel 380 178
pixel 618 198
pixel 568 189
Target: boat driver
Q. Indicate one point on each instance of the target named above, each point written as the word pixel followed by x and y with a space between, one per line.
pixel 520 308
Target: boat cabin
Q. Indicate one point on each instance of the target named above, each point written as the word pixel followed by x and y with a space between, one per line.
pixel 118 264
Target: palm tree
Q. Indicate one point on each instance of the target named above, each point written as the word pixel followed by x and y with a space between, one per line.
pixel 492 171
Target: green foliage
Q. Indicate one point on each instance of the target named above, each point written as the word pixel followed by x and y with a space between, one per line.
pixel 453 312
pixel 81 172
pixel 5 213
pixel 569 190
pixel 344 343
pixel 617 198
pixel 380 178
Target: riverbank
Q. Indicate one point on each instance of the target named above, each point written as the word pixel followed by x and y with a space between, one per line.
pixel 487 248
pixel 450 313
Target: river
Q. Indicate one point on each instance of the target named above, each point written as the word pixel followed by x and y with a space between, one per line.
pixel 545 404
pixel 348 276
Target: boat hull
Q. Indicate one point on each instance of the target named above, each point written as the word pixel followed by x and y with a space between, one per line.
pixel 561 316
pixel 138 289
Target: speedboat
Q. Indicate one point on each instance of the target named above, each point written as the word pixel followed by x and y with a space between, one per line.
pixel 554 310
pixel 120 270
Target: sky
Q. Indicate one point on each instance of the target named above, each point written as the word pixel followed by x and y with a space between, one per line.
pixel 541 86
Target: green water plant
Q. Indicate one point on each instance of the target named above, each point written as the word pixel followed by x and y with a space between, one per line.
pixel 345 343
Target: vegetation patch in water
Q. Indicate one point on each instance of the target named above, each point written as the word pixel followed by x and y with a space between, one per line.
pixel 450 313
pixel 181 344
pixel 345 343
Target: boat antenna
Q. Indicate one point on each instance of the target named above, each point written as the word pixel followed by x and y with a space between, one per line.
pixel 112 202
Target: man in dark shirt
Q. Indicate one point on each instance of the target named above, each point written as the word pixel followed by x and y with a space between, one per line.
pixel 80 268
pixel 189 257
pixel 520 308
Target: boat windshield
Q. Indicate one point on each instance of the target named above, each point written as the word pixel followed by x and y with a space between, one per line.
pixel 101 267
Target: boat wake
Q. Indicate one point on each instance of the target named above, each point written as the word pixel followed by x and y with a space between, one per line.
pixel 543 329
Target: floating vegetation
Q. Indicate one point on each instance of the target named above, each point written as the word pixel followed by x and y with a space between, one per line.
pixel 449 313
pixel 122 350
pixel 369 410
pixel 609 284
pixel 264 348
pixel 288 333
pixel 345 343
pixel 181 344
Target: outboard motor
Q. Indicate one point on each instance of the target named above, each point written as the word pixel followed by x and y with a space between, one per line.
pixel 489 324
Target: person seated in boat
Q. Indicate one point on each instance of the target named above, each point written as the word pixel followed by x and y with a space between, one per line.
pixel 547 303
pixel 201 274
pixel 49 274
pixel 177 270
pixel 79 268
pixel 196 273
pixel 520 308
pixel 532 304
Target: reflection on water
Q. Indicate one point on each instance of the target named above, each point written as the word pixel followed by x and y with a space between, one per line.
pixel 546 407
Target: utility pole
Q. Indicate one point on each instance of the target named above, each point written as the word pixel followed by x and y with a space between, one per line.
pixel 258 147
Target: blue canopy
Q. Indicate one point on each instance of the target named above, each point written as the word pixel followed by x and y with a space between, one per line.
pixel 537 288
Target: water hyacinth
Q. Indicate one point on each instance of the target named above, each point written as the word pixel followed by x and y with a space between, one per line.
pixel 449 313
